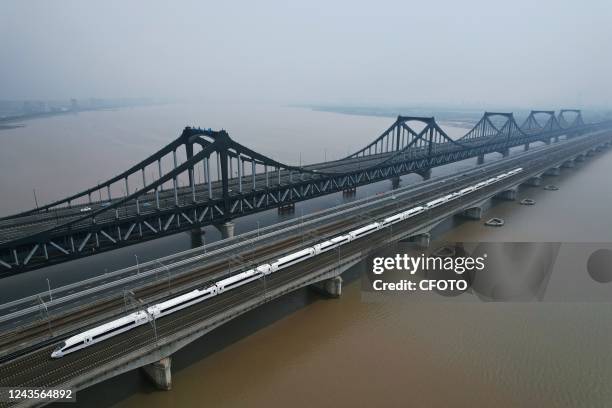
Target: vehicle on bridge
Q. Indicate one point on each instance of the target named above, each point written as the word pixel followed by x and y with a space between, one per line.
pixel 133 320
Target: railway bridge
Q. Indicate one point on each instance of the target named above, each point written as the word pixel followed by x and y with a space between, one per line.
pixel 221 179
pixel 25 347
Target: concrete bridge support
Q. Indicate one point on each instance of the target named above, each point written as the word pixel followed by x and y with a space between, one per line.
pixel 556 139
pixel 553 171
pixel 196 237
pixel 508 195
pixel 160 373
pixel 474 213
pixel 226 229
pixel 286 208
pixel 395 182
pixel 426 174
pixel 421 240
pixel 568 164
pixel 533 182
pixel 351 191
pixel 526 147
pixel 480 159
pixel 505 152
pixel 329 287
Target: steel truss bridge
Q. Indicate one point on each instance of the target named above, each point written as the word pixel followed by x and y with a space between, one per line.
pixel 221 179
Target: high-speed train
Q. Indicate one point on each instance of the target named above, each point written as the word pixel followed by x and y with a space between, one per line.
pixel 159 310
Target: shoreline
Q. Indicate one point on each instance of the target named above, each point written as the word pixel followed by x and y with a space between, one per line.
pixel 447 118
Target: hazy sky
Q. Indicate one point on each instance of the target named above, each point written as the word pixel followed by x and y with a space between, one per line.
pixel 526 53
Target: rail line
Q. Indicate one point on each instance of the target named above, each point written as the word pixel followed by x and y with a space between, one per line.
pixel 38 369
pixel 147 293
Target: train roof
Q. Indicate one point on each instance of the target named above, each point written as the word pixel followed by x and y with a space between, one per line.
pixel 238 276
pixel 295 255
pixel 104 327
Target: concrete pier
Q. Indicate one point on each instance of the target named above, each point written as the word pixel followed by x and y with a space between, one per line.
pixel 507 195
pixel 426 174
pixel 505 152
pixel 288 208
pixel 196 237
pixel 395 182
pixel 474 213
pixel 422 240
pixel 160 373
pixel 533 182
pixel 526 147
pixel 349 192
pixel 568 164
pixel 480 159
pixel 329 287
pixel 553 171
pixel 226 229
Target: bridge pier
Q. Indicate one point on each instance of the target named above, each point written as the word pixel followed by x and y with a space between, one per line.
pixel 556 139
pixel 196 237
pixel 480 159
pixel 533 182
pixel 526 147
pixel 568 164
pixel 226 229
pixel 349 192
pixel 474 213
pixel 421 240
pixel 505 152
pixel 508 195
pixel 160 373
pixel 553 171
pixel 286 208
pixel 395 182
pixel 329 287
pixel 426 174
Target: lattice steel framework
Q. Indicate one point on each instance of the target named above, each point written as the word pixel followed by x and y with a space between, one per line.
pixel 219 179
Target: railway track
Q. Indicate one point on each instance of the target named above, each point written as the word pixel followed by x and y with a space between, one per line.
pixel 147 293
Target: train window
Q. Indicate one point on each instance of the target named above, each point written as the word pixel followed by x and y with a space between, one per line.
pixel 61 346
